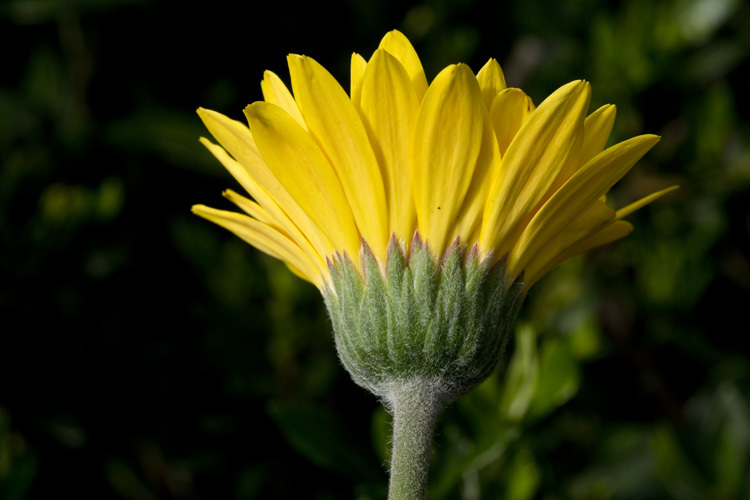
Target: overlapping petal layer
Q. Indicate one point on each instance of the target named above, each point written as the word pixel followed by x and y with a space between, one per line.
pixel 461 158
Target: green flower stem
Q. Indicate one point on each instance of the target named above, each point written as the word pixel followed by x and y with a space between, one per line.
pixel 415 404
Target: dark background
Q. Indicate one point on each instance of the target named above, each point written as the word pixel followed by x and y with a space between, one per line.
pixel 147 354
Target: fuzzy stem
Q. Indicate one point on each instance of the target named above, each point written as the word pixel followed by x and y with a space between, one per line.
pixel 415 405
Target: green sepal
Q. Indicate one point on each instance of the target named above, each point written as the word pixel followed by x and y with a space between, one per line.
pixel 414 317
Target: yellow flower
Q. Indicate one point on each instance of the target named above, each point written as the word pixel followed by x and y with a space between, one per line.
pixel 422 212
pixel 462 158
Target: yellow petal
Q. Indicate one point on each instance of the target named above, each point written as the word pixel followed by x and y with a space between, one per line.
pixel 300 274
pixel 539 151
pixel 509 111
pixel 336 126
pixel 253 209
pixel 569 166
pixel 596 130
pixel 358 66
pixel 264 238
pixel 275 92
pixel 238 171
pixel 607 234
pixel 304 172
pixel 625 211
pixel 488 163
pixel 389 109
pixel 446 144
pixel 578 240
pixel 234 136
pixel 611 232
pixel 249 168
pixel 582 190
pixel 592 220
pixel 491 80
pixel 396 44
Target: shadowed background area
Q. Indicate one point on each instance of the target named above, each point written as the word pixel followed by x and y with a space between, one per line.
pixel 147 354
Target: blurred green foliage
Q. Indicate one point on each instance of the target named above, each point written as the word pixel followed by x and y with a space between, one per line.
pixel 145 354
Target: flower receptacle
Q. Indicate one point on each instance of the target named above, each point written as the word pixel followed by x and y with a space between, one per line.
pixel 419 318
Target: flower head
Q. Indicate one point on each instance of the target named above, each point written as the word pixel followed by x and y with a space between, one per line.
pixel 464 159
pixel 422 212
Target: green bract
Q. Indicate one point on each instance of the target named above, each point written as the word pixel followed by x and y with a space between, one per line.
pixel 443 323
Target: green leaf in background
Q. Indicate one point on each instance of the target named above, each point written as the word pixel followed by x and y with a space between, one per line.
pixel 470 455
pixel 679 475
pixel 586 341
pixel 733 446
pixel 472 442
pixel 60 203
pixel 521 377
pixel 559 377
pixel 523 476
pixel 723 417
pixel 324 440
pixel 624 467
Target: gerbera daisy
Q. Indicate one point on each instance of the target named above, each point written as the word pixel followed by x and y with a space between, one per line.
pixel 423 213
